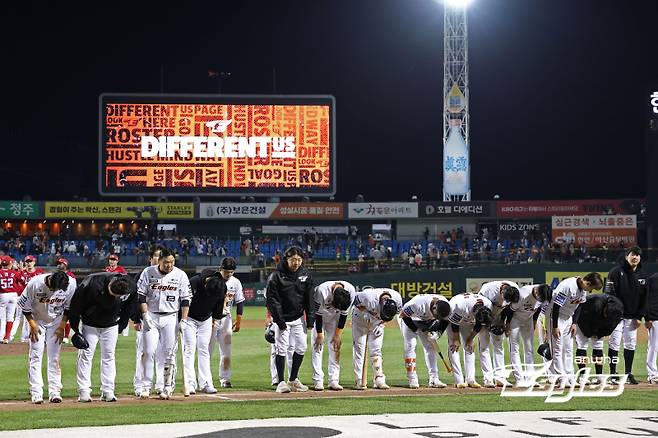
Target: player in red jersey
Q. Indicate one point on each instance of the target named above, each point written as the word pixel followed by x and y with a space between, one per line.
pixel 113 265
pixel 10 281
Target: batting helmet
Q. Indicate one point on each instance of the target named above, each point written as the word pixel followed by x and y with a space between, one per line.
pixel 79 341
pixel 269 334
pixel 388 310
pixel 545 351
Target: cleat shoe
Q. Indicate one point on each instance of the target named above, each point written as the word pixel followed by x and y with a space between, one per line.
pixel 108 396
pixel 5 341
pixel 283 388
pixel 360 386
pixel 37 399
pixel 461 385
pixel 436 384
pixel 137 392
pixel 413 384
pixel 55 398
pixel 653 380
pixel 226 384
pixel 501 382
pixel 84 397
pixel 380 383
pixel 65 341
pixel 297 386
pixel 158 391
pixel 145 393
pixel 488 384
pixel 318 386
pixel 335 386
pixel 631 379
pixel 165 394
pixel 208 390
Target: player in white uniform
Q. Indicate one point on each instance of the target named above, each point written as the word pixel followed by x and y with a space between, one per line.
pixel 162 291
pixel 372 308
pixel 470 315
pixel 332 300
pixel 567 296
pixel 521 329
pixel 222 333
pixel 43 302
pixel 421 318
pixel 501 294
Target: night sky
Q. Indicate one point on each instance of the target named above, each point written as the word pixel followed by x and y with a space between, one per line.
pixel 558 100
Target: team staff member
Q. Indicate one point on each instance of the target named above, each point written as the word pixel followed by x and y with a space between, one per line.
pixel 9 286
pixel 331 300
pixel 103 302
pixel 628 283
pixel 568 295
pixel 372 308
pixel 289 296
pixel 208 294
pixel 43 302
pixel 651 322
pixel 224 327
pixel 113 265
pixel 162 291
pixel 29 270
pixel 420 318
pixel 595 319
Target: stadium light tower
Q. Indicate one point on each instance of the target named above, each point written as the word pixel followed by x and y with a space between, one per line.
pixel 456 140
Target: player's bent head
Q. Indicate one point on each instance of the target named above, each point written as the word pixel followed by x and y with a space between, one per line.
pixel 213 283
pixel 483 316
pixel 440 309
pixel 341 299
pixel 119 285
pixel 593 281
pixel 511 294
pixel 544 292
pixel 388 310
pixel 58 280
pixel 228 264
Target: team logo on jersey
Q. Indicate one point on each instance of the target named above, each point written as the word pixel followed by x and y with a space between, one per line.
pixel 303 278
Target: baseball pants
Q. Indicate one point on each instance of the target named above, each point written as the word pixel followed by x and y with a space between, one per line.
pixel 409 340
pixel 139 366
pixel 273 373
pixel 108 342
pixel 561 348
pixel 222 335
pixel 295 334
pixel 333 369
pixel 465 329
pixel 163 331
pixel 652 351
pixel 18 318
pixel 46 341
pixel 8 302
pixel 498 370
pixel 582 341
pixel 364 326
pixel 626 330
pixel 196 339
pixel 521 332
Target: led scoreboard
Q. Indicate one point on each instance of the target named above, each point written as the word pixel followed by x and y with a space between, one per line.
pixel 220 145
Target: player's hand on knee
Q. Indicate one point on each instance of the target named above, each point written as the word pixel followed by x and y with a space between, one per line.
pixel 648 324
pixel 147 322
pixel 635 323
pixel 378 330
pixel 556 332
pixel 454 346
pixel 469 347
pixel 572 330
pixel 59 334
pixel 34 334
pixel 319 340
pixel 336 342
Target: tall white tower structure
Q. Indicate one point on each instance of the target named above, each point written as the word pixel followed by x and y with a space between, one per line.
pixel 456 140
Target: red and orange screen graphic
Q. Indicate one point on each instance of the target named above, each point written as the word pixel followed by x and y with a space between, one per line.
pixel 215 146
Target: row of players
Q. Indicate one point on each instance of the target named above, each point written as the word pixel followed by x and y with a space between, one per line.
pixel 163 294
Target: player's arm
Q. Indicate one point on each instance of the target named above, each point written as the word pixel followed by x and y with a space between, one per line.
pixel 309 301
pixel 25 301
pixel 185 297
pixel 239 307
pixel 273 301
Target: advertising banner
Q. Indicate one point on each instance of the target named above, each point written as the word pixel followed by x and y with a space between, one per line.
pixel 314 210
pixel 595 230
pixel 20 210
pixel 119 210
pixel 523 209
pixel 409 289
pixel 196 145
pixel 455 209
pixel 236 210
pixel 382 210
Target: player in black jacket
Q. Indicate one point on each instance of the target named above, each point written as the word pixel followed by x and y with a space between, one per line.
pixel 595 319
pixel 628 283
pixel 651 322
pixel 103 302
pixel 289 296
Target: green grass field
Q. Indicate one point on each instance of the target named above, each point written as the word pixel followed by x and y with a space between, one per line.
pixel 251 372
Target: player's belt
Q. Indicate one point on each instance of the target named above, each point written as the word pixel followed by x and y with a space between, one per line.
pixel 164 313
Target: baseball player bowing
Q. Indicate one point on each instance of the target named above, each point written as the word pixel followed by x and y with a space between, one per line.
pixel 372 308
pixel 224 326
pixel 43 302
pixel 332 300
pixel 470 315
pixel 162 290
pixel 595 319
pixel 522 330
pixel 421 318
pixel 289 295
pixel 501 294
pixel 567 296
pixel 103 302
pixel 208 290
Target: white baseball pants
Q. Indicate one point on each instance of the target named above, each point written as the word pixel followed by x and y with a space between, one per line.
pixel 163 331
pixel 108 340
pixel 196 339
pixel 8 302
pixel 465 329
pixel 582 341
pixel 222 335
pixel 329 328
pixel 18 318
pixel 626 331
pixel 48 341
pixel 409 340
pixel 295 335
pixel 561 348
pixel 521 332
pixel 498 369
pixel 363 325
pixel 273 373
pixel 652 351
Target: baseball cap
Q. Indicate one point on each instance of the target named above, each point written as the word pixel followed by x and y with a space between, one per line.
pixel 62 260
pixel 113 257
pixel 30 257
pixel 5 260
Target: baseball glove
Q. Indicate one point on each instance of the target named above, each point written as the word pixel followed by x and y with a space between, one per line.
pixel 79 341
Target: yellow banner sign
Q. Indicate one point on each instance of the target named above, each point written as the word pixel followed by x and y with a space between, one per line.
pixel 119 210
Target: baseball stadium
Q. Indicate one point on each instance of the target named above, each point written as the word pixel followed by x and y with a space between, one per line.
pixel 308 239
